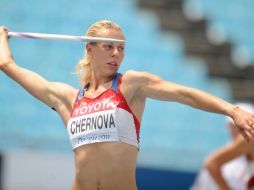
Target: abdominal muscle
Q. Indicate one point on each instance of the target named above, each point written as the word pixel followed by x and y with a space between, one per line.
pixel 105 166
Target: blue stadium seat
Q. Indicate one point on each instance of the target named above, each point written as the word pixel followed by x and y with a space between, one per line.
pixel 236 18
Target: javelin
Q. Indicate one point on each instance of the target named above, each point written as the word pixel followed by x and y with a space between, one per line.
pixel 63 37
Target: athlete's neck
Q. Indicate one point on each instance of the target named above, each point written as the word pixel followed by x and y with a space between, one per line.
pixel 100 81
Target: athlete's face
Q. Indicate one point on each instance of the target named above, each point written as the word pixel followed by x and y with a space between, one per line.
pixel 107 57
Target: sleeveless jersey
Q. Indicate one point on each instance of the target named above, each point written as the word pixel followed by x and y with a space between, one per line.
pixel 106 118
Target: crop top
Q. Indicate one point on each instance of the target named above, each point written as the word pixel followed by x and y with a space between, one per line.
pixel 106 118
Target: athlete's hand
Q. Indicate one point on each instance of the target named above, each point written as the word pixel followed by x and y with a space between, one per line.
pixel 244 121
pixel 5 53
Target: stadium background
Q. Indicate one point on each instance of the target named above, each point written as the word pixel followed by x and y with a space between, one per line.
pixel 200 43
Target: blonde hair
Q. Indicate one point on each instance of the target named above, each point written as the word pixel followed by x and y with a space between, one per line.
pixel 83 68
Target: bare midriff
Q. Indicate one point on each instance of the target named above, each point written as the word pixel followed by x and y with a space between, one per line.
pixel 105 166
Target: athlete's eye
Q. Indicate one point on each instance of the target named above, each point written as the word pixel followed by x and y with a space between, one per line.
pixel 120 48
pixel 108 46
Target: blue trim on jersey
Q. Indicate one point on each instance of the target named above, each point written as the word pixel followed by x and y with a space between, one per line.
pixel 114 87
pixel 114 82
pixel 82 92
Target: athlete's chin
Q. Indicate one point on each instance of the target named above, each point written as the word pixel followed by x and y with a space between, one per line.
pixel 112 71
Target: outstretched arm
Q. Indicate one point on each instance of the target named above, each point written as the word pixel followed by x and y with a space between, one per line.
pixel 51 93
pixel 152 86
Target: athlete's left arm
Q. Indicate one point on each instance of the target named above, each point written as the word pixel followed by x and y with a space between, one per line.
pixel 152 86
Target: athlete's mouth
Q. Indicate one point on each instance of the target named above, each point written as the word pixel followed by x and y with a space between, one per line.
pixel 113 63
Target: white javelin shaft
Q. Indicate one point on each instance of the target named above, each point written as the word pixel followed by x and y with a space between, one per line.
pixel 62 37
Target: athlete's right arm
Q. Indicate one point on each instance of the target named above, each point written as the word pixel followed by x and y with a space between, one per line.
pixel 55 95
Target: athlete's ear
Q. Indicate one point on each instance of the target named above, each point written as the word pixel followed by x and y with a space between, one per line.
pixel 88 47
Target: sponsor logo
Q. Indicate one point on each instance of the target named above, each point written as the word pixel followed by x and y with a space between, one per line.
pixel 102 105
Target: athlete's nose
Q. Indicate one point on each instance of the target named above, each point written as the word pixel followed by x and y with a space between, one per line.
pixel 115 52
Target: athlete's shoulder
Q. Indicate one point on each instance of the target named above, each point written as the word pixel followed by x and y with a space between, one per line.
pixel 137 76
pixel 242 145
pixel 140 78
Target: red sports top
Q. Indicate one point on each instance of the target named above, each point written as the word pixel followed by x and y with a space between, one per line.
pixel 105 118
